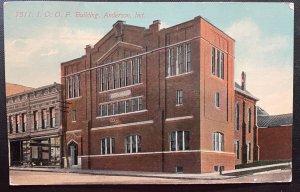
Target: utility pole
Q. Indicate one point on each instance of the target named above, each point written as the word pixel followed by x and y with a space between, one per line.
pixel 64 110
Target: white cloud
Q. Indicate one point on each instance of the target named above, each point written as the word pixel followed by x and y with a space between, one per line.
pixel 267 63
pixel 164 25
pixel 50 52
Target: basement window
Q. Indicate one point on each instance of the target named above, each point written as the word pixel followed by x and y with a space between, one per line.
pixel 179 169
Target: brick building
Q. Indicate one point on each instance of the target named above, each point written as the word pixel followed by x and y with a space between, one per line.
pixel 274 132
pixel 34 126
pixel 151 99
pixel 245 128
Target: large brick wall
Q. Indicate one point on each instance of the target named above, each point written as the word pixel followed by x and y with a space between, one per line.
pixel 275 143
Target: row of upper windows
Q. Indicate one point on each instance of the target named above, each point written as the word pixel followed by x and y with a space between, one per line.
pixel 181 63
pixel 119 107
pixel 217 63
pixel 237 150
pixel 120 75
pixel 178 141
pixel 237 118
pixel 18 123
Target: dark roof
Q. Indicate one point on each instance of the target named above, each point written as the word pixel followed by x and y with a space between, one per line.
pixel 261 111
pixel 274 120
pixel 239 89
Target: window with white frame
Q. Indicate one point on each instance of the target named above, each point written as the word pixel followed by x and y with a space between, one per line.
pixel 218 141
pixel 133 144
pixel 237 116
pixel 188 57
pixel 73 86
pixel 248 151
pixel 179 58
pixel 217 99
pixel 217 63
pixel 179 140
pixel 119 74
pixel 249 119
pixel 237 149
pixel 170 66
pixel 213 60
pixel 222 66
pixel 179 97
pixel 107 145
pixel 119 107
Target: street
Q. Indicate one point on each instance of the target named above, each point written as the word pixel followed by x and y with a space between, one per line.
pixel 58 178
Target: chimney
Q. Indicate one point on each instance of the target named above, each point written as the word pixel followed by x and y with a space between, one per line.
pixel 88 48
pixel 155 26
pixel 118 28
pixel 243 80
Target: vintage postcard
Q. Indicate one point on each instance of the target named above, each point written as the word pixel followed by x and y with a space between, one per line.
pixel 149 93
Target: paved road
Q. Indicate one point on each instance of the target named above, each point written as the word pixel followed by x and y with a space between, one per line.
pixel 52 178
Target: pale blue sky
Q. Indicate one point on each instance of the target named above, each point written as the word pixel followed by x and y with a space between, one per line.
pixel 35 46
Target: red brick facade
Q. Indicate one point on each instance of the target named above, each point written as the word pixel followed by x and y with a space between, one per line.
pixel 279 138
pixel 245 136
pixel 202 114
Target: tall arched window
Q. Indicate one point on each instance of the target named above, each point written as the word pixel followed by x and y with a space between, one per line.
pixel 237 116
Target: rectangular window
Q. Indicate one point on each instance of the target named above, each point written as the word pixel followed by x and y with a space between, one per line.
pixel 120 75
pixel 179 140
pixel 113 74
pixel 52 117
pixel 179 68
pixel 17 123
pixel 179 97
pixel 237 116
pixel 237 149
pixel 24 122
pixel 249 120
pixel 213 60
pixel 35 120
pixel 139 74
pixel 140 103
pixel 218 63
pixel 131 73
pixel 218 141
pixel 127 106
pixel 170 66
pixel 249 151
pixel 44 119
pixel 73 86
pixel 102 83
pixel 188 57
pixel 74 115
pixel 133 105
pixel 107 145
pixel 125 74
pixel 222 66
pixel 10 121
pixel 133 144
pixel 217 99
pixel 120 109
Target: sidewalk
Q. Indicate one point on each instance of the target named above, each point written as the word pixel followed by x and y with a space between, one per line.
pixel 204 176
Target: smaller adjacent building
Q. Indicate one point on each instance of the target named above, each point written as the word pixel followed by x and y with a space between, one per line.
pixel 245 128
pixel 35 126
pixel 274 136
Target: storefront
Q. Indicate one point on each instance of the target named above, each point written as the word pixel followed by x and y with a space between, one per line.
pixel 36 152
